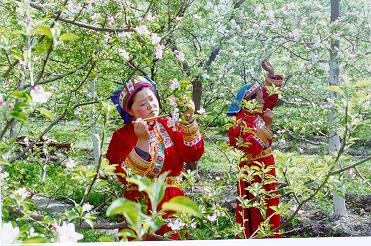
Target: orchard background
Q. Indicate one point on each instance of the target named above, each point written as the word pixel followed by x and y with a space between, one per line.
pixel 61 59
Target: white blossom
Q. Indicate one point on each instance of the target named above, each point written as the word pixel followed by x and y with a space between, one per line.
pixel 111 20
pixel 128 3
pixel 69 163
pixel 300 212
pixel 212 218
pixel 95 16
pixel 86 207
pixel 9 234
pixel 205 76
pixel 155 39
pixel 313 57
pixel 352 174
pixel 123 53
pixel 193 225
pixel 196 17
pixel 179 55
pixel 159 51
pixel 4 175
pixel 270 14
pixel 296 34
pixel 171 124
pixel 124 35
pixel 172 101
pixel 67 234
pixel 77 111
pixel 22 192
pixel 149 17
pixel 174 84
pixel 39 95
pixel 142 30
pixel 173 121
pixel 178 18
pixel 202 112
pixel 176 225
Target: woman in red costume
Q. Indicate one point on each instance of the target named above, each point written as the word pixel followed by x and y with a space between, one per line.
pixel 254 129
pixel 150 147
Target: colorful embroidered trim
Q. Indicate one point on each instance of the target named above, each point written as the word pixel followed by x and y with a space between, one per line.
pixel 263 133
pixel 277 81
pixel 165 136
pixel 160 141
pixel 140 166
pixel 191 134
pixel 264 153
pixel 170 181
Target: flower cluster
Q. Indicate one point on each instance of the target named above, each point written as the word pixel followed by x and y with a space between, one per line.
pixel 66 233
pixel 179 101
pixel 39 95
pixel 9 233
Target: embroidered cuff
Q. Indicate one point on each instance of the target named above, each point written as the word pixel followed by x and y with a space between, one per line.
pixel 140 166
pixel 191 134
pixel 263 133
pixel 276 81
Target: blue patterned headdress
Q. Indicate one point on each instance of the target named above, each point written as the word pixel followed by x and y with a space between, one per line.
pixel 122 95
pixel 246 92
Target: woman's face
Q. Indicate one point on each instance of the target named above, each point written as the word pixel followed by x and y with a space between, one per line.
pixel 144 105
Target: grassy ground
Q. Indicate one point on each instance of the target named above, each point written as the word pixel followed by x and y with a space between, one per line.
pixel 214 167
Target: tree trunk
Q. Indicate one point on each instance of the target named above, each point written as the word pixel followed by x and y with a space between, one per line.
pixel 334 140
pixel 95 133
pixel 197 92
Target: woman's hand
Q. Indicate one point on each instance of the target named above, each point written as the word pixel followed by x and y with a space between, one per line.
pixel 142 132
pixel 268 117
pixel 269 68
pixel 189 115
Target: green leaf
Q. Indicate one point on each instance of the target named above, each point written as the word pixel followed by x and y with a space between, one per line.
pixel 142 182
pixel 46 113
pixel 335 88
pixel 129 209
pixel 4 162
pixel 18 115
pixel 44 30
pixel 126 233
pixel 89 222
pixel 182 204
pixel 3 145
pixel 17 32
pixel 21 95
pixel 68 37
pixel 36 239
pixel 105 239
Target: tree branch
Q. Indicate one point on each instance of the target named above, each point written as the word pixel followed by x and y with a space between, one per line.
pixel 83 25
pixel 61 76
pixel 351 166
pixel 24 151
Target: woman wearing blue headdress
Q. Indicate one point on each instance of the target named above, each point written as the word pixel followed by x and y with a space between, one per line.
pixel 146 146
pixel 254 128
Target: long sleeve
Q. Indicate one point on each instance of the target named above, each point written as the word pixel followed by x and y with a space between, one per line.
pixel 189 143
pixel 270 101
pixel 122 151
pixel 118 150
pixel 253 131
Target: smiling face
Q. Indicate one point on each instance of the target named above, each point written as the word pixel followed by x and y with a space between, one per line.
pixel 144 104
